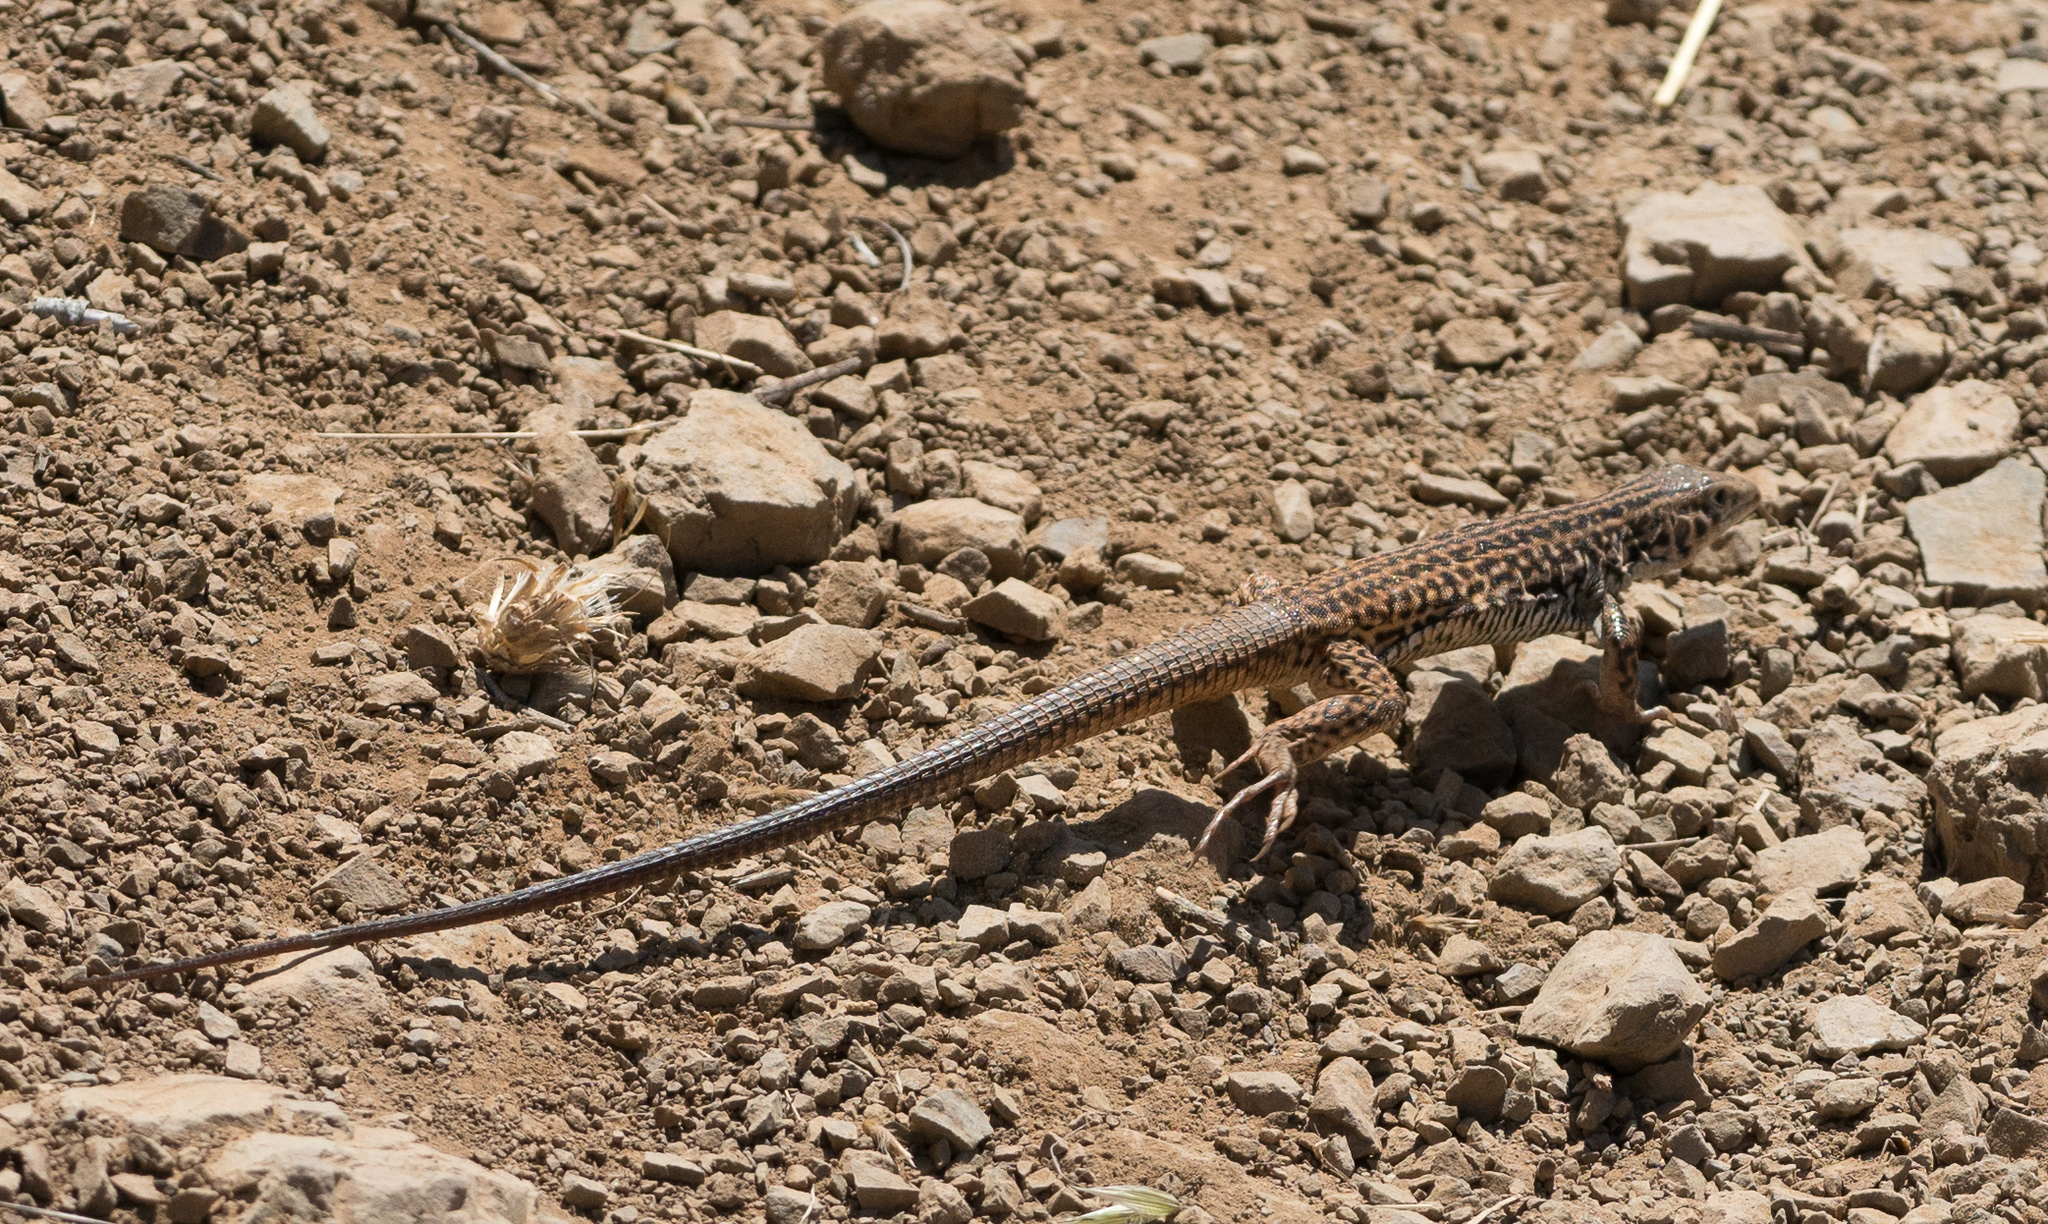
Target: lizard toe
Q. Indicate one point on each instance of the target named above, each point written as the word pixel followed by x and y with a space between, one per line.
pixel 1279 777
pixel 1279 818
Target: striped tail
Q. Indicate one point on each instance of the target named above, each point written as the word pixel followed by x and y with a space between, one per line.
pixel 1244 648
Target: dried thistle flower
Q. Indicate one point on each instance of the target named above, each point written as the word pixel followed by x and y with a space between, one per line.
pixel 544 619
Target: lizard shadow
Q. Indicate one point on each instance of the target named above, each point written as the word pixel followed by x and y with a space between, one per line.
pixel 1151 820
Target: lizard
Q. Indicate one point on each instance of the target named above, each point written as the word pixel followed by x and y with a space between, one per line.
pixel 1559 569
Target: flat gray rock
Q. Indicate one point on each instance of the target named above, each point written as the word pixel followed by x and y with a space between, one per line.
pixel 1984 536
pixel 524 754
pixel 366 883
pixel 2020 75
pixel 928 531
pixel 1732 238
pixel 1019 610
pixel 952 1115
pixel 1956 431
pixel 388 691
pixel 830 925
pixel 1858 1024
pixel 1177 52
pixel 1911 264
pixel 1819 864
pixel 1475 342
pixel 1259 1093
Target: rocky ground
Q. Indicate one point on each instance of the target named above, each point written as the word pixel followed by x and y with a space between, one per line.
pixel 1192 292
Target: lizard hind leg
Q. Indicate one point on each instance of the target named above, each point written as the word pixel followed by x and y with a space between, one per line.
pixel 1369 700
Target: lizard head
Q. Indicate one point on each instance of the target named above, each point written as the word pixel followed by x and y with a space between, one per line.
pixel 1677 511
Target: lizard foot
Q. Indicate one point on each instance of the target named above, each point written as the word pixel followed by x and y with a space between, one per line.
pixel 1272 756
pixel 1621 705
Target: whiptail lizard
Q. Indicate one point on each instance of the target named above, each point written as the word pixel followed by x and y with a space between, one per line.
pixel 1556 570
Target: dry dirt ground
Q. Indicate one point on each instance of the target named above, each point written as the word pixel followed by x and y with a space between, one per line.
pixel 207 607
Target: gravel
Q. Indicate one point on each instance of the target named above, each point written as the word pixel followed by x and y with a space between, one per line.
pixel 1195 295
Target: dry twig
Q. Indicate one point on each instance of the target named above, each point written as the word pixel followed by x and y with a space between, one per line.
pixel 502 65
pixel 763 121
pixel 734 364
pixel 902 246
pixel 1688 51
pixel 779 391
pixel 205 172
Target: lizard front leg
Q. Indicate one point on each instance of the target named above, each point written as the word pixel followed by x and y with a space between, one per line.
pixel 1369 699
pixel 1621 634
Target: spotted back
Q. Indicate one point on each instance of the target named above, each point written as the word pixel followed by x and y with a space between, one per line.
pixel 1525 575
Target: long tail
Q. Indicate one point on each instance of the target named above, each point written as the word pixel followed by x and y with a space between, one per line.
pixel 1244 648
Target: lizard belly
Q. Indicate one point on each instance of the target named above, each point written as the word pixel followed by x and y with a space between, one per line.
pixel 1497 622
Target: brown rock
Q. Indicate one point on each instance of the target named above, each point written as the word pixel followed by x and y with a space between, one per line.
pixel 921 77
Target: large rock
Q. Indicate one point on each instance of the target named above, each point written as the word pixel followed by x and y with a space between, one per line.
pixel 2018 74
pixel 1555 875
pixel 1003 488
pixel 2005 656
pixel 1452 724
pixel 1344 1101
pixel 1514 174
pixel 1792 922
pixel 917 326
pixel 1987 782
pixel 372 1175
pixel 145 86
pixel 285 116
pixel 1985 536
pixel 812 663
pixel 1911 264
pixel 921 77
pixel 19 202
pixel 1906 355
pixel 1482 342
pixel 952 1115
pixel 1828 862
pixel 1859 1025
pixel 181 1107
pixel 1621 997
pixel 1017 608
pixel 928 531
pixel 1957 431
pixel 1699 248
pixel 737 487
pixel 23 104
pixel 341 985
pixel 755 338
pixel 173 221
pixel 1259 1093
